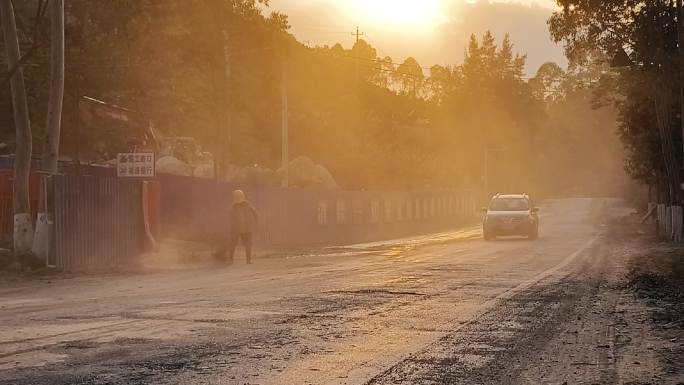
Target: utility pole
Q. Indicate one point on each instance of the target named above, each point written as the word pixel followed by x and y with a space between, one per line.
pixel 81 12
pixel 285 143
pixel 358 34
pixel 220 15
pixel 228 85
pixel 23 228
pixel 77 123
pixel 680 45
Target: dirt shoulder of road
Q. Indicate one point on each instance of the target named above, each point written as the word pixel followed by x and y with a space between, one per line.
pixel 178 255
pixel 631 329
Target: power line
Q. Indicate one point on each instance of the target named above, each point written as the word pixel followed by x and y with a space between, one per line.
pixel 323 30
pixel 321 27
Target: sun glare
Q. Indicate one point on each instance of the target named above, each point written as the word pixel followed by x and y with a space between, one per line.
pixel 417 14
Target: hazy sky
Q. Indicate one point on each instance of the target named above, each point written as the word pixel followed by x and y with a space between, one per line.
pixel 433 31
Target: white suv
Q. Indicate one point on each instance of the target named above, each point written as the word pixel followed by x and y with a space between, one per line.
pixel 512 214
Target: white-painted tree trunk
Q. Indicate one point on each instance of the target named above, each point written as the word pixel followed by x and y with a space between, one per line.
pixel 23 233
pixel 23 229
pixel 45 218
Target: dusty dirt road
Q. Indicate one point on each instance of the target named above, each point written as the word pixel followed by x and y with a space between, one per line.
pixel 452 309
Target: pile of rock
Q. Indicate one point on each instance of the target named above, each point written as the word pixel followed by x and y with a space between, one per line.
pixel 173 166
pixel 254 175
pixel 182 156
pixel 305 173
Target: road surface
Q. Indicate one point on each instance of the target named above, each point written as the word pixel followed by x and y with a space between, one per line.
pixel 451 309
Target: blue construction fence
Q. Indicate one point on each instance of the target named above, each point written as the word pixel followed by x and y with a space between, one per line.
pixel 98 222
pixel 99 218
pixel 198 209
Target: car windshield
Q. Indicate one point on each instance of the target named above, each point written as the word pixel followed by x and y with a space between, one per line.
pixel 509 204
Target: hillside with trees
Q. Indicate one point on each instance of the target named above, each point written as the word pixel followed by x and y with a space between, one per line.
pixel 214 70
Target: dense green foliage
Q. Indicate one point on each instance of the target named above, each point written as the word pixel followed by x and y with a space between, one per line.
pixel 373 122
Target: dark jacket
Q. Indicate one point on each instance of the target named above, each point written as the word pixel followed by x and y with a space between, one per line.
pixel 243 218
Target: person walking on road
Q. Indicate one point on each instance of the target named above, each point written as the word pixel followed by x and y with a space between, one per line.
pixel 243 218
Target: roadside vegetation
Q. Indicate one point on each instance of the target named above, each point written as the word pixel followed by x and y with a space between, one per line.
pixel 373 120
pixel 640 40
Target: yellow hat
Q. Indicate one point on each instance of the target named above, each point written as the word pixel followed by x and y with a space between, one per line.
pixel 238 196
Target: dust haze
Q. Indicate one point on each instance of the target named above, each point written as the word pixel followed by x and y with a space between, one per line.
pixel 336 192
pixel 372 121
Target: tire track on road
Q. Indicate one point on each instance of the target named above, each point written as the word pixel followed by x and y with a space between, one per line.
pixel 491 305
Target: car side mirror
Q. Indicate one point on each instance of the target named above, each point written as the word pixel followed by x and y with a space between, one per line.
pixel 535 210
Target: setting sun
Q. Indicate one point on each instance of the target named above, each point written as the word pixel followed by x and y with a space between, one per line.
pixel 401 13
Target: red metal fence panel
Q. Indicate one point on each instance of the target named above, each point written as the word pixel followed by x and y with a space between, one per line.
pixel 6 213
pixel 6 196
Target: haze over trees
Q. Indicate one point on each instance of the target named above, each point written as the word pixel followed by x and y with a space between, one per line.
pixel 645 89
pixel 376 122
